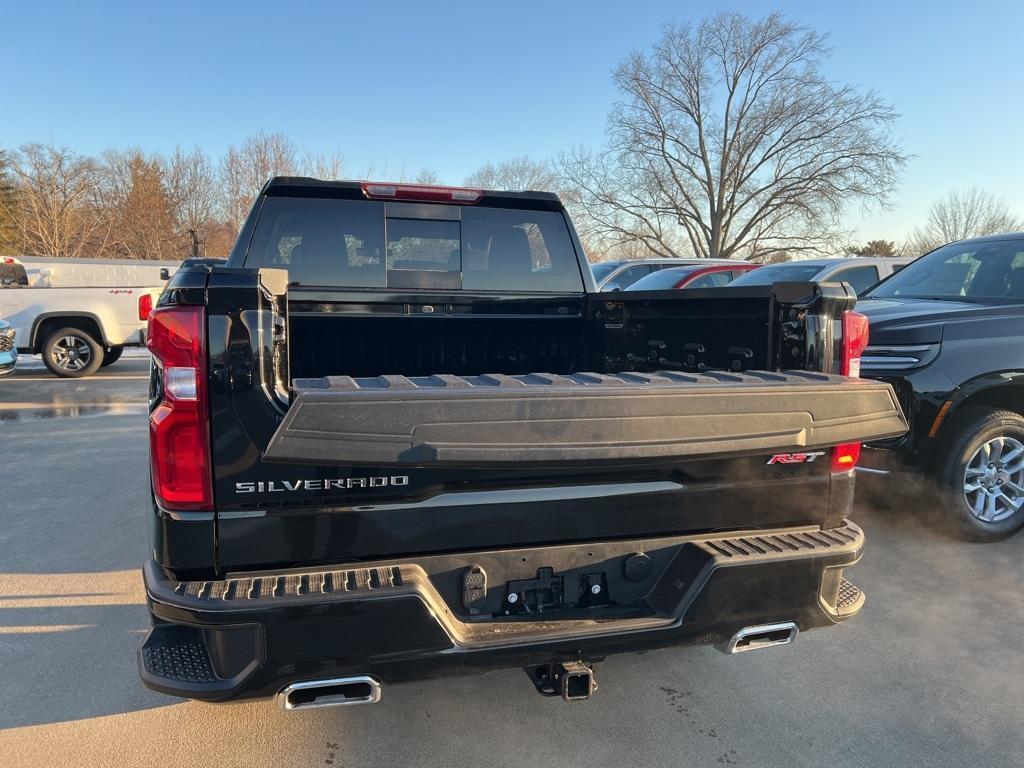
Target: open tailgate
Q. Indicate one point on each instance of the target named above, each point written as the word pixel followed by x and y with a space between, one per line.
pixel 504 420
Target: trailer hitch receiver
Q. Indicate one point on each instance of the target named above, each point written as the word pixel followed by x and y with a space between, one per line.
pixel 573 680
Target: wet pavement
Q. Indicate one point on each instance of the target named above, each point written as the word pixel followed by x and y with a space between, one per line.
pixel 32 393
pixel 930 673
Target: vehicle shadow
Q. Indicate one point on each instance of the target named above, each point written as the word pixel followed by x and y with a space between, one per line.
pixel 68 645
pixel 69 662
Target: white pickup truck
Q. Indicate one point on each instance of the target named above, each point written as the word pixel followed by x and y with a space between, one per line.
pixel 77 330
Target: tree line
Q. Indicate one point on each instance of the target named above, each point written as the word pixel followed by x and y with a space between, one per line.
pixel 726 140
pixel 139 205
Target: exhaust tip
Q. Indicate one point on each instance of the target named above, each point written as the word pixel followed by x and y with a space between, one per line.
pixel 336 692
pixel 762 636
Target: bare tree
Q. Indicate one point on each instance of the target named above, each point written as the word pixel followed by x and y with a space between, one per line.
pixel 193 191
pixel 729 141
pixel 427 176
pixel 319 166
pixel 245 169
pixel 137 206
pixel 9 241
pixel 55 191
pixel 963 214
pixel 519 173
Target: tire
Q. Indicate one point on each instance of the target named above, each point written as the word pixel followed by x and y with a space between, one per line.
pixel 71 353
pixel 980 473
pixel 111 356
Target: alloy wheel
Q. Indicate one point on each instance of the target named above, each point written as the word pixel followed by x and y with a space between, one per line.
pixel 71 353
pixel 994 480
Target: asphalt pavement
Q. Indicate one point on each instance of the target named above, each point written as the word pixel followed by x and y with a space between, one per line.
pixel 931 673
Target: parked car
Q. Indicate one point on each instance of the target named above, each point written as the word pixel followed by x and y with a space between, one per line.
pixel 861 272
pixel 619 275
pixel 402 435
pixel 12 272
pixel 198 261
pixel 8 352
pixel 948 333
pixel 77 330
pixel 694 276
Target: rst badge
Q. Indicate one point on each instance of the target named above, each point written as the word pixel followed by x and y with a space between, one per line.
pixel 795 458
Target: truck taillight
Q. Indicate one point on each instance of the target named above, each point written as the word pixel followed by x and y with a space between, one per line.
pixel 179 438
pixel 845 457
pixel 145 306
pixel 424 192
pixel 855 341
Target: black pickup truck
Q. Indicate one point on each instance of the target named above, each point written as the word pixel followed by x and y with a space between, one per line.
pixel 948 333
pixel 400 435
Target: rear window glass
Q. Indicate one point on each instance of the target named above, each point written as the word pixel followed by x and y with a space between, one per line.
pixel 12 273
pixel 663 278
pixel 601 271
pixel 859 278
pixel 781 273
pixel 992 270
pixel 321 242
pixel 355 243
pixel 511 250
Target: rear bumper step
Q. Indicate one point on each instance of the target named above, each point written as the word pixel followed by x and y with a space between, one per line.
pixel 508 420
pixel 255 634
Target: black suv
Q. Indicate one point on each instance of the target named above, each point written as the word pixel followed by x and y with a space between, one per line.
pixel 948 333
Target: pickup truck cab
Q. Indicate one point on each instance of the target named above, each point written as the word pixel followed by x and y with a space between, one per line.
pixel 401 435
pixel 948 333
pixel 77 330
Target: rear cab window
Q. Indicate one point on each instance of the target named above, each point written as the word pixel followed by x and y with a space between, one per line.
pixel 12 272
pixel 327 242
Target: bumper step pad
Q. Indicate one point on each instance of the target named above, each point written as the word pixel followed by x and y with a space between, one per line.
pixel 317 584
pixel 176 659
pixel 188 662
pixel 851 598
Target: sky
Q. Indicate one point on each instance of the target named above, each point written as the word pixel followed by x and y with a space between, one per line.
pixel 449 86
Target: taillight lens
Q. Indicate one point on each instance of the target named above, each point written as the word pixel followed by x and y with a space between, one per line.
pixel 179 438
pixel 145 306
pixel 845 457
pixel 855 341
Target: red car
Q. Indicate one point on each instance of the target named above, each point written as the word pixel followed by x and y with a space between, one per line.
pixel 692 276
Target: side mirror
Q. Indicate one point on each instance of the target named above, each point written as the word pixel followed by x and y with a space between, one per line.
pixel 165 273
pixel 612 287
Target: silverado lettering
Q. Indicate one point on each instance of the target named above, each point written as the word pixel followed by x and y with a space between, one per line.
pixel 271 486
pixel 593 463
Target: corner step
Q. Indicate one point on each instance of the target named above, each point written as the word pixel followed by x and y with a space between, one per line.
pixel 851 598
pixel 187 661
